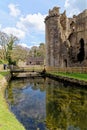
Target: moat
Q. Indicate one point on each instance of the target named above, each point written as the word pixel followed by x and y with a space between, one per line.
pixel 45 104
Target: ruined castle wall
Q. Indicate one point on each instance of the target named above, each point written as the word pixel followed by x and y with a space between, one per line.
pixel 66 39
pixel 81 24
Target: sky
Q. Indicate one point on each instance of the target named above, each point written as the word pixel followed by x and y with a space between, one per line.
pixel 25 18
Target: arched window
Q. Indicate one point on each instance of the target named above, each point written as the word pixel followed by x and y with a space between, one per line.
pixel 81 54
pixel 82 43
pixel 72 25
pixel 65 63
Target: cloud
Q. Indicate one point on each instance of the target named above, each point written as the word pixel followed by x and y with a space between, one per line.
pixel 74 6
pixel 32 22
pixel 26 27
pixel 73 12
pixel 0 47
pixel 67 4
pixel 24 45
pixel 16 32
pixel 34 43
pixel 14 11
pixel 0 26
pixel 28 46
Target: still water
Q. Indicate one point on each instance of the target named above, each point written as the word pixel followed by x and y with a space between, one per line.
pixel 45 104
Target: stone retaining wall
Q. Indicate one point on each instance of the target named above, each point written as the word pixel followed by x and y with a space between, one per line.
pixel 4 80
pixel 2 83
pixel 67 69
pixel 79 83
pixel 1 67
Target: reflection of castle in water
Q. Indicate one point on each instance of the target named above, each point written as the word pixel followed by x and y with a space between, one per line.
pixel 65 107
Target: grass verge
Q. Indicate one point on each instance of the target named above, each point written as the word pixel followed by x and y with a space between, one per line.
pixel 3 74
pixel 79 76
pixel 7 119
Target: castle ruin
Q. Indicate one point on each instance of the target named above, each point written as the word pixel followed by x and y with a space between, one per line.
pixel 66 39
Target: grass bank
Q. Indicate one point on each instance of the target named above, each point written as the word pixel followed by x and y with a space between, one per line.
pixel 78 76
pixel 3 74
pixel 7 120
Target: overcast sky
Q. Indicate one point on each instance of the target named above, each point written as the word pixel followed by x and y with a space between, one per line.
pixel 25 18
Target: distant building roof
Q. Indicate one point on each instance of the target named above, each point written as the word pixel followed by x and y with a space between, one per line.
pixel 35 60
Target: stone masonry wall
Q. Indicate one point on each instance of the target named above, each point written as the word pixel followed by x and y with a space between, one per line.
pixel 66 39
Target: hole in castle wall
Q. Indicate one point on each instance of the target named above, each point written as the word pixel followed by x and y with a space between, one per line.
pixel 72 25
pixel 72 39
pixel 65 63
pixel 81 54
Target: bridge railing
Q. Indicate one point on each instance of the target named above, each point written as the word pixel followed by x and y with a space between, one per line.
pixel 67 69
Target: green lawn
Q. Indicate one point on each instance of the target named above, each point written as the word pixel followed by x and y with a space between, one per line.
pixel 7 120
pixel 79 76
pixel 3 73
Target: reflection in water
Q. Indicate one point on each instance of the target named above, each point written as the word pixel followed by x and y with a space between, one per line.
pixel 26 99
pixel 36 101
pixel 66 107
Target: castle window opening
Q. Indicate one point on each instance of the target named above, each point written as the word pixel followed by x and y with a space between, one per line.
pixel 81 54
pixel 65 62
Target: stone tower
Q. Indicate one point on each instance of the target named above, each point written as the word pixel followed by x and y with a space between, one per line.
pixel 52 37
pixel 55 36
pixel 66 39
